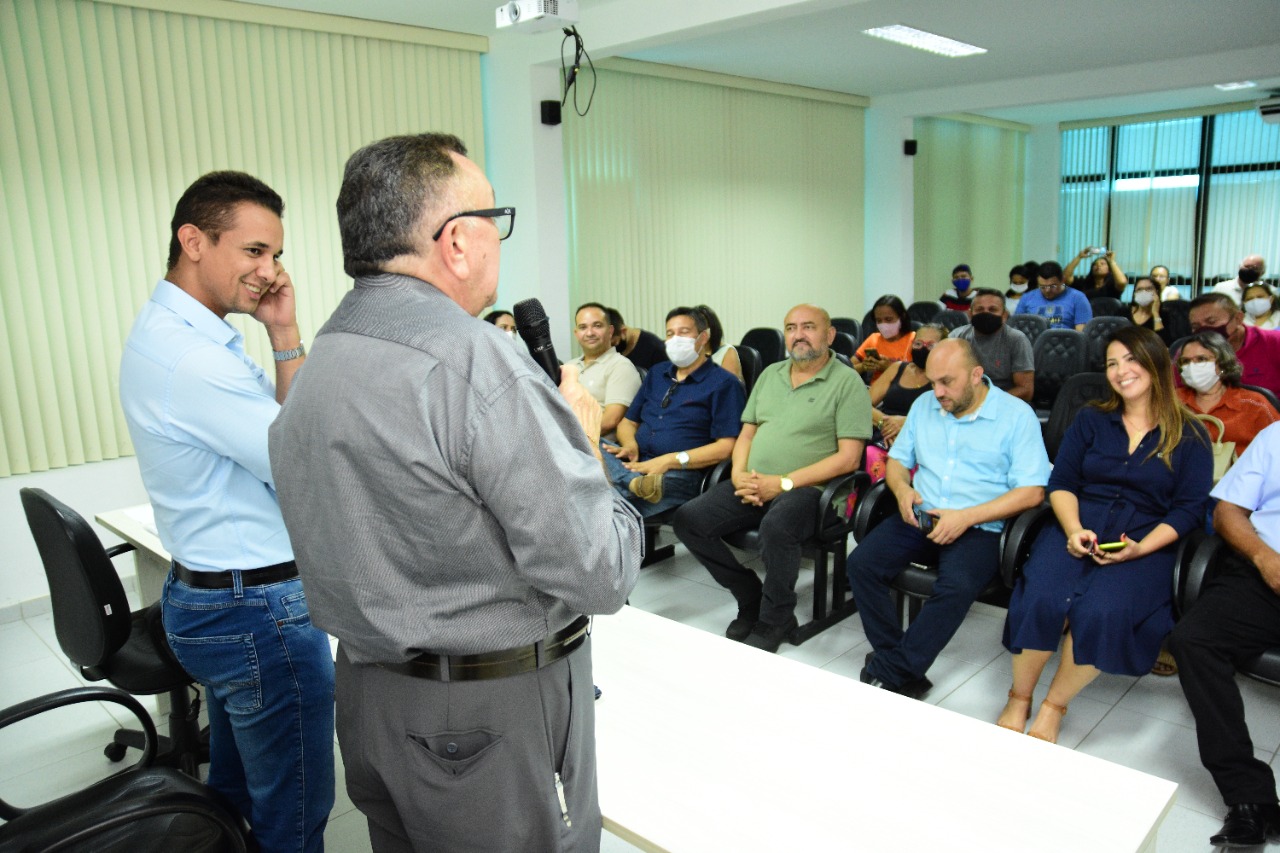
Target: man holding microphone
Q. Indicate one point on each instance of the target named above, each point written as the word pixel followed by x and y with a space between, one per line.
pixel 452 522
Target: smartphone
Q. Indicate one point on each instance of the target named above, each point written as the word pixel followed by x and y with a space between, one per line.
pixel 924 519
pixel 1111 546
pixel 872 352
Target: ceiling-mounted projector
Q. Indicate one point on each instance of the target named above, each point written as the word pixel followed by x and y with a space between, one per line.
pixel 537 15
pixel 1270 110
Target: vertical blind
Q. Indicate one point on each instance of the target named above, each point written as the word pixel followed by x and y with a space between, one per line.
pixel 113 111
pixel 684 192
pixel 1193 193
pixel 968 202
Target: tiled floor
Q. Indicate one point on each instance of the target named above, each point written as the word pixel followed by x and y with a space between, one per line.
pixel 1141 723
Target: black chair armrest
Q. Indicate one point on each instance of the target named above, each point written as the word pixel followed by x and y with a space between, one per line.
pixel 854 481
pixel 718 473
pixel 872 508
pixel 1190 574
pixel 74 696
pixel 1020 533
pixel 123 548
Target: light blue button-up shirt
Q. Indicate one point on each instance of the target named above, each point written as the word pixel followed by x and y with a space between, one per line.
pixel 1253 483
pixel 973 459
pixel 198 410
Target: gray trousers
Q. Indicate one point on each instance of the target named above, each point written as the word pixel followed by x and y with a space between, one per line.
pixel 470 765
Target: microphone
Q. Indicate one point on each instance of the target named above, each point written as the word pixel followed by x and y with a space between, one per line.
pixel 531 320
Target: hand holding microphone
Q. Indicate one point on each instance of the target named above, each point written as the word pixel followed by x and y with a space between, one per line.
pixel 531 321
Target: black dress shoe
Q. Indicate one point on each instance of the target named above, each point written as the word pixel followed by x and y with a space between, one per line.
pixel 1248 824
pixel 913 689
pixel 739 629
pixel 769 637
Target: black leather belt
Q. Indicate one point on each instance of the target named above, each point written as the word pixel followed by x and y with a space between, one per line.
pixel 225 580
pixel 501 664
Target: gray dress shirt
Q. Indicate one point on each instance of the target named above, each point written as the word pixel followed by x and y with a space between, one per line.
pixel 439 492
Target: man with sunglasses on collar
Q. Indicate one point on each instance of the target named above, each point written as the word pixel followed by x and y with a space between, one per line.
pixel 453 524
pixel 1004 353
pixel 683 420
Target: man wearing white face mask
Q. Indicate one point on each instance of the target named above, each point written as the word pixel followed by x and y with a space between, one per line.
pixel 684 418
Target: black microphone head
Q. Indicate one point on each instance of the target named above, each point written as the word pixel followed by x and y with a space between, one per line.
pixel 529 315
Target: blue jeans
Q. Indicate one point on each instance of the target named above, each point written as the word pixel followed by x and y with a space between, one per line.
pixel 964 568
pixel 268 678
pixel 678 485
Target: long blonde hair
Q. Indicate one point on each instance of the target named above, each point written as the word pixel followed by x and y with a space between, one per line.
pixel 1171 416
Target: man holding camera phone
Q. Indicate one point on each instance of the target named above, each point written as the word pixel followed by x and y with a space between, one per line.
pixel 978 459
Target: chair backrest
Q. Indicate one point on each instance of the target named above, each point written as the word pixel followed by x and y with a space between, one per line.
pixel 1030 325
pixel 922 312
pixel 1177 318
pixel 1266 392
pixel 868 326
pixel 90 612
pixel 1074 394
pixel 768 342
pixel 1098 330
pixel 951 319
pixel 844 344
pixel 1059 355
pixel 1108 306
pixel 849 326
pixel 749 359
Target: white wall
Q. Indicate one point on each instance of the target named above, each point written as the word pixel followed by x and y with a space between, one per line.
pixel 890 212
pixel 88 489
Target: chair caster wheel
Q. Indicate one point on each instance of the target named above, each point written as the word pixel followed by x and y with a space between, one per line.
pixel 114 751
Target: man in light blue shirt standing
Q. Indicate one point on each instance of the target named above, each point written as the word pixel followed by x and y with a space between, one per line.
pixel 233 608
pixel 979 460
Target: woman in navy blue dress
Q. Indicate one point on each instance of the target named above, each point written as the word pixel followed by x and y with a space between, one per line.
pixel 1137 470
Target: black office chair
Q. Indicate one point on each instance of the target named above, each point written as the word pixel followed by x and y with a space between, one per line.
pixel 653 552
pixel 1059 354
pixel 1075 393
pixel 1190 576
pixel 952 320
pixel 1108 306
pixel 142 809
pixel 849 326
pixel 1097 332
pixel 923 312
pixel 1031 325
pixel 915 585
pixel 98 633
pixel 829 548
pixel 768 343
pixel 1176 316
pixel 867 327
pixel 749 359
pixel 844 344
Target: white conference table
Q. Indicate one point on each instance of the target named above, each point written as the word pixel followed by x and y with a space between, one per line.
pixel 705 744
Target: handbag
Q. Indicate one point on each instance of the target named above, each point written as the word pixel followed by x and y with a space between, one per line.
pixel 1224 452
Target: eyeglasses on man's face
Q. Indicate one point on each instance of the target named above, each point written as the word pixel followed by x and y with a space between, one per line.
pixel 503 217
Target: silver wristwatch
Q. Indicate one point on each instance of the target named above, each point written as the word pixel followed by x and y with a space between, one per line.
pixel 683 458
pixel 290 354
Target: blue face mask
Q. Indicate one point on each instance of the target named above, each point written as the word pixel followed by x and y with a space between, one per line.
pixel 961 284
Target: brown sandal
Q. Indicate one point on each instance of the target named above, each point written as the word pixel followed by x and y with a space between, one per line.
pixel 1026 699
pixel 1165 665
pixel 1062 712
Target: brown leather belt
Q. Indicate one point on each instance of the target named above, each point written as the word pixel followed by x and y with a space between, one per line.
pixel 225 580
pixel 500 664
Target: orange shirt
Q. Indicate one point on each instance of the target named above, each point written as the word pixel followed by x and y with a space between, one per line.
pixel 899 350
pixel 1243 413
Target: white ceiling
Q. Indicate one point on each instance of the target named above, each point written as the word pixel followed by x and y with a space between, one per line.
pixel 1046 62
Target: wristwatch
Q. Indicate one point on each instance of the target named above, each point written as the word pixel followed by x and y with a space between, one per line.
pixel 787 484
pixel 683 458
pixel 289 354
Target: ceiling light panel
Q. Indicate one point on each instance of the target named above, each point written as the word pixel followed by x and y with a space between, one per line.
pixel 921 40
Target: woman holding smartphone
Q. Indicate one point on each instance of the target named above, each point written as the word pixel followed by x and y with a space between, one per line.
pixel 1131 478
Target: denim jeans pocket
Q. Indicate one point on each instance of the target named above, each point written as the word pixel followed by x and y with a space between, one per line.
pixel 457 753
pixel 228 666
pixel 295 608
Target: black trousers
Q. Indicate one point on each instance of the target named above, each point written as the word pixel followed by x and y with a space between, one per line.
pixel 1236 617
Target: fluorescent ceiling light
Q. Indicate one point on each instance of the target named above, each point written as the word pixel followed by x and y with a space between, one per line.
pixel 1231 87
pixel 922 40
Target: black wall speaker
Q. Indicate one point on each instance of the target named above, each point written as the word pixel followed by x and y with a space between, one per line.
pixel 908 146
pixel 551 112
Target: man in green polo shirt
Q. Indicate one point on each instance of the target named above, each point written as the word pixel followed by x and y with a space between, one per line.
pixel 806 422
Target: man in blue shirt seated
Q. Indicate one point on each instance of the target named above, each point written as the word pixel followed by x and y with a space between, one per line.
pixel 1064 307
pixel 684 418
pixel 198 410
pixel 979 460
pixel 1236 618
